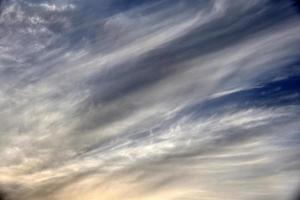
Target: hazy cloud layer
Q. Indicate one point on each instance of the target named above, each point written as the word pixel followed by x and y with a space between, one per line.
pixel 171 100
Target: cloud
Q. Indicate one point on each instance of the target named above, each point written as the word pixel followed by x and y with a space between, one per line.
pixel 153 100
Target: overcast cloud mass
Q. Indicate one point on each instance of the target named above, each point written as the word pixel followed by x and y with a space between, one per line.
pixel 149 100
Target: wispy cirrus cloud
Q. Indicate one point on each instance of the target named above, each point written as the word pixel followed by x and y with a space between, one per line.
pixel 154 100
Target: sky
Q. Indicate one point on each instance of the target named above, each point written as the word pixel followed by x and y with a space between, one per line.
pixel 149 100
